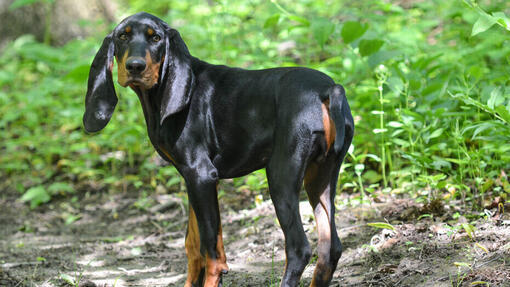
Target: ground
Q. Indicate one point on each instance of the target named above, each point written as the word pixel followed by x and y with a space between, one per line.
pixel 130 238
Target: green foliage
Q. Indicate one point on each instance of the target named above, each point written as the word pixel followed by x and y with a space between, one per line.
pixel 381 225
pixel 427 82
pixel 352 30
pixel 20 3
pixel 486 20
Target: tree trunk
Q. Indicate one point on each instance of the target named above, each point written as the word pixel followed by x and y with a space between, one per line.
pixel 55 23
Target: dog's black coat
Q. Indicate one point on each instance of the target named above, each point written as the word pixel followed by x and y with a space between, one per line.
pixel 215 122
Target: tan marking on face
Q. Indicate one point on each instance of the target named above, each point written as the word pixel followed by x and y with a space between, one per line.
pixel 122 74
pixel 147 79
pixel 151 73
pixel 195 260
pixel 150 32
pixel 128 29
pixel 329 125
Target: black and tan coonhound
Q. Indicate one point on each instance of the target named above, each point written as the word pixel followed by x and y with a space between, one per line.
pixel 214 122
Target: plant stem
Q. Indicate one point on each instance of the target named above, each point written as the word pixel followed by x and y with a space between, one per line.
pixel 381 123
pixel 362 189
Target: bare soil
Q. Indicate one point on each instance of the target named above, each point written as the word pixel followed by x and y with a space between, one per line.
pixel 131 239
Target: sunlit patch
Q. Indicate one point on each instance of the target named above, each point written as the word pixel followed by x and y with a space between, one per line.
pixel 126 277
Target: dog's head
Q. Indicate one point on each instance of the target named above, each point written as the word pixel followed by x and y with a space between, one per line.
pixel 150 56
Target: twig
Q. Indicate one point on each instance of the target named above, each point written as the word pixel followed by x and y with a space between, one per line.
pixel 496 257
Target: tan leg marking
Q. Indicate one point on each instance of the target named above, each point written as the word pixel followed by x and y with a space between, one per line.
pixel 215 267
pixel 195 260
pixel 322 218
pixel 319 200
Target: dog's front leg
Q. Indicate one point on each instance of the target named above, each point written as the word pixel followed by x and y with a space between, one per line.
pixel 203 199
pixel 196 260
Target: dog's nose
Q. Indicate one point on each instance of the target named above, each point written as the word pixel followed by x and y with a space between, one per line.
pixel 135 65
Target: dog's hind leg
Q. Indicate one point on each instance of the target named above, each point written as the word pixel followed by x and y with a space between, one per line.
pixel 320 184
pixel 285 172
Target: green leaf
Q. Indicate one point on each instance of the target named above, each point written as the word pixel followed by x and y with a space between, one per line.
pixel 483 283
pixel 68 279
pixel 381 225
pixel 400 142
pixel 441 184
pixel 36 195
pixel 374 157
pixel 301 20
pixel 503 113
pixel 483 24
pixel 379 131
pixel 322 29
pixel 70 218
pixel 353 30
pixel 470 229
pixel 359 168
pixel 368 47
pixel 60 187
pixel 487 185
pixel 396 85
pixel 502 20
pixel 394 124
pixel 79 74
pixel 272 21
pixel 175 180
pixel 436 133
pixel 496 98
pixel 20 3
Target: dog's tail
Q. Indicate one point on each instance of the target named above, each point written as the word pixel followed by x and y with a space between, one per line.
pixel 337 100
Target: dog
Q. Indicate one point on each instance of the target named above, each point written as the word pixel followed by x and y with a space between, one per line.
pixel 215 122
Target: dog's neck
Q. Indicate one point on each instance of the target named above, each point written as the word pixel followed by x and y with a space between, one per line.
pixel 162 136
pixel 151 111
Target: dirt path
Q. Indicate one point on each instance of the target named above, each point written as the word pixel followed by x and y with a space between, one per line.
pixel 129 240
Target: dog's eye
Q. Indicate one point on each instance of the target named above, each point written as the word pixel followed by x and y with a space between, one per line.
pixel 123 37
pixel 156 38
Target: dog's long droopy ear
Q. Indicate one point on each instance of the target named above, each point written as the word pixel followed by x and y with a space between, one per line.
pixel 101 98
pixel 177 78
